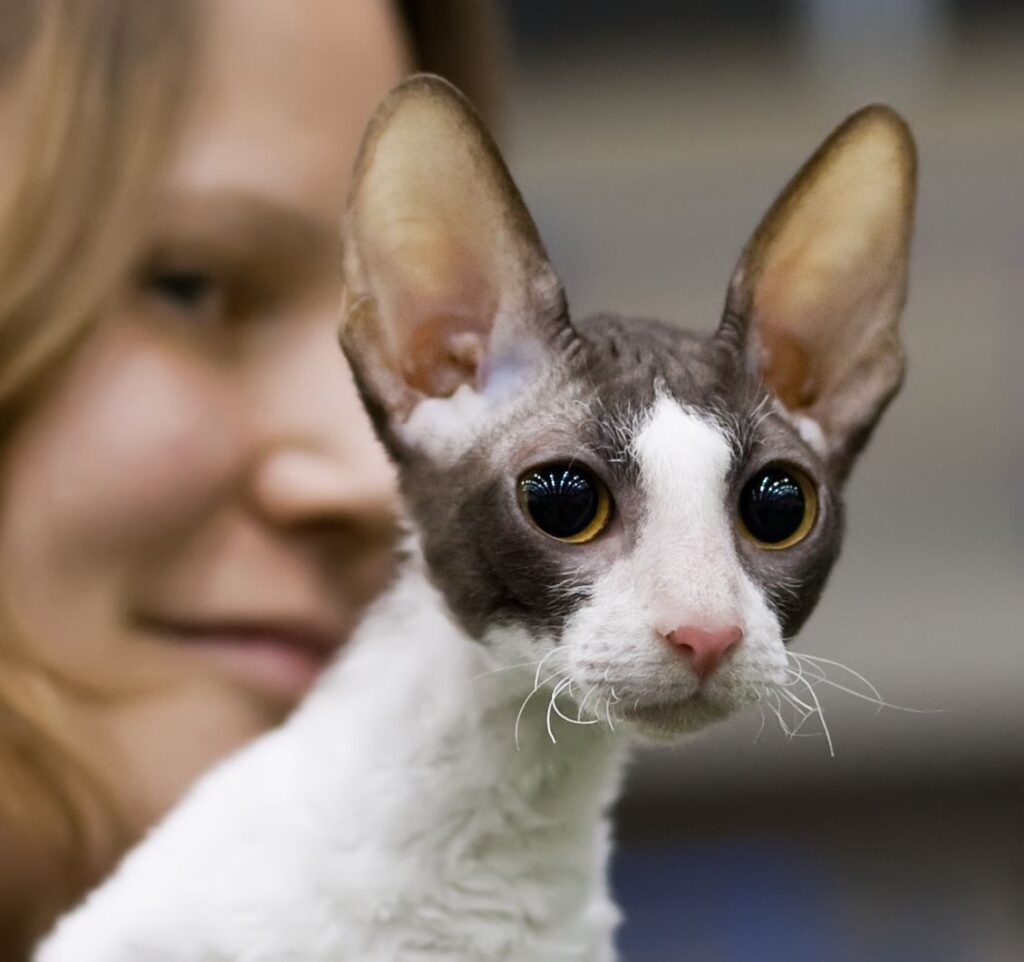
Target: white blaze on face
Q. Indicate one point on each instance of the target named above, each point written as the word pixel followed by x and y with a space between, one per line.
pixel 687 539
pixel 683 569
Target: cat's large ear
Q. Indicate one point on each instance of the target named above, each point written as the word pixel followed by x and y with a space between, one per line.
pixel 447 282
pixel 814 303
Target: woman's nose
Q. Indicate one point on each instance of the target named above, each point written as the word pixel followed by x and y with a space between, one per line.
pixel 296 486
pixel 318 459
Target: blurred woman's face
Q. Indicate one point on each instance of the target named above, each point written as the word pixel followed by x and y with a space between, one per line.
pixel 199 501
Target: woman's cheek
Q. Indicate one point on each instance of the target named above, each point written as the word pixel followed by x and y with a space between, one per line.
pixel 136 443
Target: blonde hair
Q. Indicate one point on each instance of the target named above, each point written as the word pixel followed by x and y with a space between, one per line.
pixel 95 87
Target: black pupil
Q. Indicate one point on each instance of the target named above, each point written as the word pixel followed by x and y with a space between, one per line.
pixel 185 289
pixel 562 500
pixel 772 505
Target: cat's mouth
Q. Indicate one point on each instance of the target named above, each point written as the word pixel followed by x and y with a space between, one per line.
pixel 666 719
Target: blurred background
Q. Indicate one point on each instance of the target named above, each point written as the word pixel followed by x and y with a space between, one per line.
pixel 648 137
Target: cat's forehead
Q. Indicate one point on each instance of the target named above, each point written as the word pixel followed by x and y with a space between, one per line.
pixel 625 367
pixel 634 355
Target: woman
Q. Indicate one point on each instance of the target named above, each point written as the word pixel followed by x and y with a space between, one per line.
pixel 193 509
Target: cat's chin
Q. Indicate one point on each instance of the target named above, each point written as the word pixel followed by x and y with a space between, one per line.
pixel 667 721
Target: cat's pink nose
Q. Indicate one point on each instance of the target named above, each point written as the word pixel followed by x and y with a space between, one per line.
pixel 706 648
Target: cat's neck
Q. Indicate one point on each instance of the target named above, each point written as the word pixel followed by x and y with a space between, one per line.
pixel 431 694
pixel 416 730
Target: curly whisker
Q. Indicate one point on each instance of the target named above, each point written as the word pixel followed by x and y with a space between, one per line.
pixel 537 685
pixel 559 689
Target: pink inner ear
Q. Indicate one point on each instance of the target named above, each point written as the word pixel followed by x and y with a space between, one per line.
pixel 824 277
pixel 446 302
pixel 787 370
pixel 444 352
pixel 437 237
pixel 814 326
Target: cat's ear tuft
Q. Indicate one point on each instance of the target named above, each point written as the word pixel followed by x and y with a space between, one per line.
pixel 817 295
pixel 447 281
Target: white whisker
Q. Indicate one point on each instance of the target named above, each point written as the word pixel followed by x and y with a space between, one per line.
pixel 540 665
pixel 551 705
pixel 776 710
pixel 494 671
pixel 608 713
pixel 764 719
pixel 537 684
pixel 818 660
pixel 582 705
pixel 817 673
pixel 559 689
pixel 824 724
pixel 803 710
pixel 796 702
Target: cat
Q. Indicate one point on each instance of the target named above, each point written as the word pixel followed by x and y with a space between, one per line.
pixel 613 527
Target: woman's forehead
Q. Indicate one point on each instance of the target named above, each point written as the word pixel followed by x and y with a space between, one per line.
pixel 280 98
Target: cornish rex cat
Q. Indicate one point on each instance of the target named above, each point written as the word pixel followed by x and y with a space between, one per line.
pixel 613 527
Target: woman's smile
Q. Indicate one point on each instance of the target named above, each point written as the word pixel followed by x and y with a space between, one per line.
pixel 278 657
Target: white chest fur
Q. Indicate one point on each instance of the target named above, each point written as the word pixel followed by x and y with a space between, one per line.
pixel 392 818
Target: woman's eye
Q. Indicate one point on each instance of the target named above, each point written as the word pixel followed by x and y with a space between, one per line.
pixel 565 501
pixel 778 507
pixel 189 291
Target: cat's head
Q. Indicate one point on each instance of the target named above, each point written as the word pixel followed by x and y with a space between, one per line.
pixel 652 512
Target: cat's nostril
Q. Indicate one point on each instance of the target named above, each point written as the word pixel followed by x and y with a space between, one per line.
pixel 706 648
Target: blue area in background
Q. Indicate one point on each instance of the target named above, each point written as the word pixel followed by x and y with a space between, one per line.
pixel 754 902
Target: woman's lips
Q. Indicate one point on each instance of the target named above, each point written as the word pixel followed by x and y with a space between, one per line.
pixel 277 659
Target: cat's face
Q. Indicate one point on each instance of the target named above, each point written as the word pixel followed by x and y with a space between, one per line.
pixel 600 508
pixel 645 514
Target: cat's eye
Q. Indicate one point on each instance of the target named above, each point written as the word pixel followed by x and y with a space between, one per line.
pixel 565 501
pixel 778 507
